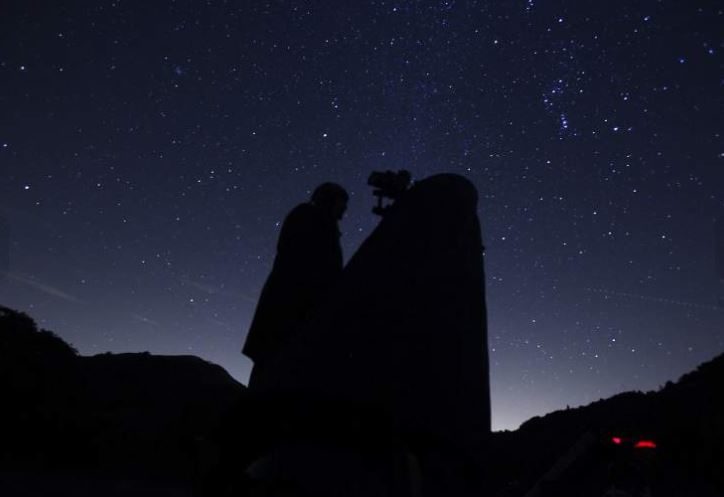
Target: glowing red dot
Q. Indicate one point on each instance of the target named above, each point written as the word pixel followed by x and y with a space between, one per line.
pixel 616 440
pixel 645 444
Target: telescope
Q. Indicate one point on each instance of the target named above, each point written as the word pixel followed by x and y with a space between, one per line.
pixel 388 185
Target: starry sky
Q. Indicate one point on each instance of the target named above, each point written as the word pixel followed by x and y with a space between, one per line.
pixel 150 150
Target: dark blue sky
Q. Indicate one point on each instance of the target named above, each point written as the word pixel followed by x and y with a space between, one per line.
pixel 149 151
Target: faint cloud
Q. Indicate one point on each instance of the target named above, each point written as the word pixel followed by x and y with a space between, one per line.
pixel 650 298
pixel 44 288
pixel 144 319
pixel 222 323
pixel 215 290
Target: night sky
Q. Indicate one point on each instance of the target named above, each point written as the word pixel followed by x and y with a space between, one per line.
pixel 150 150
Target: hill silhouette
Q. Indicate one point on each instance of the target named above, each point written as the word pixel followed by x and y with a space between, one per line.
pixel 684 419
pixel 108 416
pixel 80 425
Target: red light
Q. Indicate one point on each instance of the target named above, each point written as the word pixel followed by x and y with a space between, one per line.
pixel 616 440
pixel 645 444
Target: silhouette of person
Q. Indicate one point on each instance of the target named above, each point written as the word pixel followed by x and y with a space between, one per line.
pixel 308 262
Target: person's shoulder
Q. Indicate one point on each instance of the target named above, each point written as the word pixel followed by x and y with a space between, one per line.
pixel 303 214
pixel 303 210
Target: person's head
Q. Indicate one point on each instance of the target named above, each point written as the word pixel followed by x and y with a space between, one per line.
pixel 331 197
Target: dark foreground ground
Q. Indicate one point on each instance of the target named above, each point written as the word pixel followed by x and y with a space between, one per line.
pixel 138 424
pixel 66 484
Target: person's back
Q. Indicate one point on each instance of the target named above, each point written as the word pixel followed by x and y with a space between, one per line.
pixel 308 262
